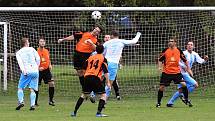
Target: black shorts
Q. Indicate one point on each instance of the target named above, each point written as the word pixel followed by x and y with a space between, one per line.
pixel 46 76
pixel 79 59
pixel 167 78
pixel 93 83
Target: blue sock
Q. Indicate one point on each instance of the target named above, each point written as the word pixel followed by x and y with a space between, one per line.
pixel 191 89
pixel 32 97
pixel 20 95
pixel 174 98
pixel 108 91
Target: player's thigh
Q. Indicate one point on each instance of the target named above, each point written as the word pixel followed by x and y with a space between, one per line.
pixel 165 79
pixel 87 85
pixel 189 80
pixel 79 59
pixel 112 69
pixel 177 78
pixel 24 81
pixel 34 81
pixel 47 76
pixel 99 86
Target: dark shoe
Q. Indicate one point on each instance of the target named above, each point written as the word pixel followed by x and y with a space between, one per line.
pixel 188 102
pixel 118 97
pixel 182 99
pixel 169 105
pixel 20 105
pixel 92 99
pixel 51 103
pixel 32 108
pixel 158 105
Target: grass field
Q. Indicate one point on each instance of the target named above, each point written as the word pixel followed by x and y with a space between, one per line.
pixel 128 109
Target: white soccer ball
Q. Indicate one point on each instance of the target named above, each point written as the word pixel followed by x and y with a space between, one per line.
pixel 96 15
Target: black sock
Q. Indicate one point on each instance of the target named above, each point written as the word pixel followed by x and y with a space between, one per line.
pixel 37 93
pixel 160 95
pixel 78 104
pixel 51 93
pixel 185 92
pixel 116 87
pixel 100 105
pixel 81 79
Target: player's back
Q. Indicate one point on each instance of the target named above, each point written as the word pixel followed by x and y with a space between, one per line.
pixel 29 59
pixel 94 65
pixel 113 50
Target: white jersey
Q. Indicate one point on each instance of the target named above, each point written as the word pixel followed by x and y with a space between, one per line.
pixel 113 48
pixel 191 58
pixel 28 59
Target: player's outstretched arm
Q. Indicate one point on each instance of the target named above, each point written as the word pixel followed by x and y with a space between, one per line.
pixel 69 38
pixel 133 41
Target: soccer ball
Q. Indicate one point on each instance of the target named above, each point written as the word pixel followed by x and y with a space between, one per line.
pixel 96 15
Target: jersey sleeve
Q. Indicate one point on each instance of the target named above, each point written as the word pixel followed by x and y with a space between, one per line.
pixel 162 55
pixel 78 35
pixel 20 62
pixel 104 66
pixel 37 57
pixel 85 65
pixel 133 41
pixel 182 56
pixel 199 59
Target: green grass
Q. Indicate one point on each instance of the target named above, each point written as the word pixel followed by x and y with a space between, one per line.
pixel 128 109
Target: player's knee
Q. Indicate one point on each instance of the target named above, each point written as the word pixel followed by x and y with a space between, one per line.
pixel 183 84
pixel 180 90
pixel 51 83
pixel 196 85
pixel 162 88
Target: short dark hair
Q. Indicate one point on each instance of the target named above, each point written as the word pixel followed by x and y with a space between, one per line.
pixel 24 40
pixel 115 33
pixel 174 38
pixel 99 49
pixel 100 27
pixel 189 41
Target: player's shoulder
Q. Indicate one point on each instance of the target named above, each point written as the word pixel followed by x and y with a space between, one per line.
pixel 164 50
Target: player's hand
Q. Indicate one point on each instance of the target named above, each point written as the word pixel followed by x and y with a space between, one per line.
pixel 60 40
pixel 190 72
pixel 206 58
pixel 88 41
pixel 50 67
pixel 24 72
pixel 138 33
pixel 41 68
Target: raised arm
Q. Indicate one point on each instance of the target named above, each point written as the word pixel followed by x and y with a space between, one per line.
pixel 201 60
pixel 134 40
pixel 69 38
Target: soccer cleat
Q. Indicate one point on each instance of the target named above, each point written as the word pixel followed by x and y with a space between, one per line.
pixel 101 115
pixel 73 114
pixel 158 105
pixel 118 97
pixel 169 105
pixel 188 102
pixel 32 108
pixel 92 99
pixel 51 103
pixel 20 105
pixel 182 99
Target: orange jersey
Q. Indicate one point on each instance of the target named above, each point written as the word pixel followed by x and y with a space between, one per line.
pixel 95 65
pixel 170 59
pixel 84 47
pixel 44 58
